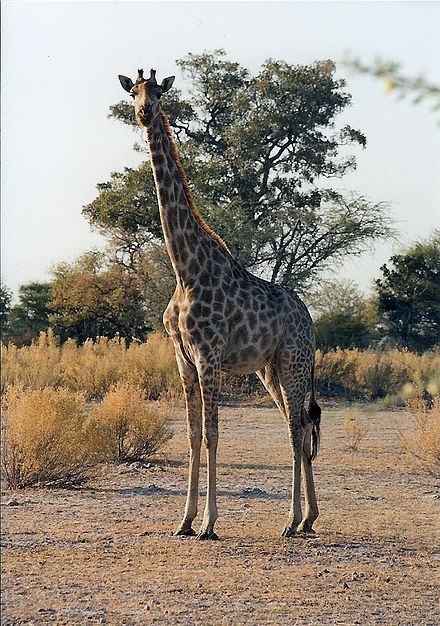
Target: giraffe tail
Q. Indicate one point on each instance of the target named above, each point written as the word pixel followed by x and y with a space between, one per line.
pixel 314 412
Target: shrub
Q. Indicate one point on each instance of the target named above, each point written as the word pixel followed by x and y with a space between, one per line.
pixel 355 430
pixel 132 428
pixel 422 444
pixel 47 438
pixel 336 371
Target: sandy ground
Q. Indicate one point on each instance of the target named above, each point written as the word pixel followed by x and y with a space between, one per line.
pixel 105 554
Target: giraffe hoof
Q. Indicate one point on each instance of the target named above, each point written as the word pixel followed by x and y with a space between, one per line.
pixel 306 529
pixel 288 532
pixel 184 532
pixel 205 536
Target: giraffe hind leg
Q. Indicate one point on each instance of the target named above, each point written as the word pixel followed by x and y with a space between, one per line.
pixel 269 378
pixel 311 506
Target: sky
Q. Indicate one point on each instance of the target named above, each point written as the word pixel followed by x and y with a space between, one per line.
pixel 60 62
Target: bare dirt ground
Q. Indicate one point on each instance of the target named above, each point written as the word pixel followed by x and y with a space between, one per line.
pixel 105 554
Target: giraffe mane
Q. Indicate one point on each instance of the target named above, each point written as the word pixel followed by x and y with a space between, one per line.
pixel 186 188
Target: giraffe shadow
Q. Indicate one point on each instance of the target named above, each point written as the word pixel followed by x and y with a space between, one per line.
pixel 255 466
pixel 247 493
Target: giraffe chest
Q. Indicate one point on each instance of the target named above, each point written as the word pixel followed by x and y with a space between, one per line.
pixel 240 330
pixel 194 325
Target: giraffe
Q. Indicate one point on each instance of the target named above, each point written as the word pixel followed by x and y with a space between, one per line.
pixel 221 317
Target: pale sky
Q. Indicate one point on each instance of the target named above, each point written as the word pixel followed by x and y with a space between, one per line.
pixel 60 62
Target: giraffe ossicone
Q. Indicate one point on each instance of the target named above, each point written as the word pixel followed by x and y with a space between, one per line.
pixel 221 317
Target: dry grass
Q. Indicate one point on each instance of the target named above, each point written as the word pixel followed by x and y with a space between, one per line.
pixel 422 442
pixel 355 430
pixel 47 438
pixel 105 554
pixel 132 428
pixel 94 367
pixel 372 374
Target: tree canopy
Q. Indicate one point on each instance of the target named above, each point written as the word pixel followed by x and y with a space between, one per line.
pixel 26 319
pixel 260 153
pixel 344 317
pixel 409 295
pixel 91 298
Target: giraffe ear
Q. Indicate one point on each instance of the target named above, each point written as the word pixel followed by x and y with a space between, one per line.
pixel 167 83
pixel 126 83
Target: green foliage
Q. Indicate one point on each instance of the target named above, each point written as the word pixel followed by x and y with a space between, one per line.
pixel 91 298
pixel 409 295
pixel 344 318
pixel 127 204
pixel 399 83
pixel 256 150
pixel 341 330
pixel 5 307
pixel 31 315
pixel 336 296
pixel 157 282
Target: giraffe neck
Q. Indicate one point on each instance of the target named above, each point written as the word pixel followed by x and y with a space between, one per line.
pixel 187 236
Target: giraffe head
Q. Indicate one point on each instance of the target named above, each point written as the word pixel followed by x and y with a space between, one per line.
pixel 146 94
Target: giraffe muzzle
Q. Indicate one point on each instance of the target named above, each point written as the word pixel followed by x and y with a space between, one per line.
pixel 145 112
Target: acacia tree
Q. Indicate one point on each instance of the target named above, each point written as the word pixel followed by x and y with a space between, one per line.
pixel 260 152
pixel 409 295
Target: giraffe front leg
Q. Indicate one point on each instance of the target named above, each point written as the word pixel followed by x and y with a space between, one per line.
pixel 191 389
pixel 209 376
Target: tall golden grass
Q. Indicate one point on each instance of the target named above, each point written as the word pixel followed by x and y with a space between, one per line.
pixel 67 408
pixel 422 442
pixel 92 368
pixel 96 366
pixel 393 374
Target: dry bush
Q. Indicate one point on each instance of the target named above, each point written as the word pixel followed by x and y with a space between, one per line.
pixel 335 370
pixel 33 367
pixel 47 438
pixel 422 444
pixel 152 366
pixel 355 430
pixel 94 366
pixel 375 374
pixel 132 428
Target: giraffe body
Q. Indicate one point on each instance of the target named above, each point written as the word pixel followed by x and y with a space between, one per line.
pixel 221 317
